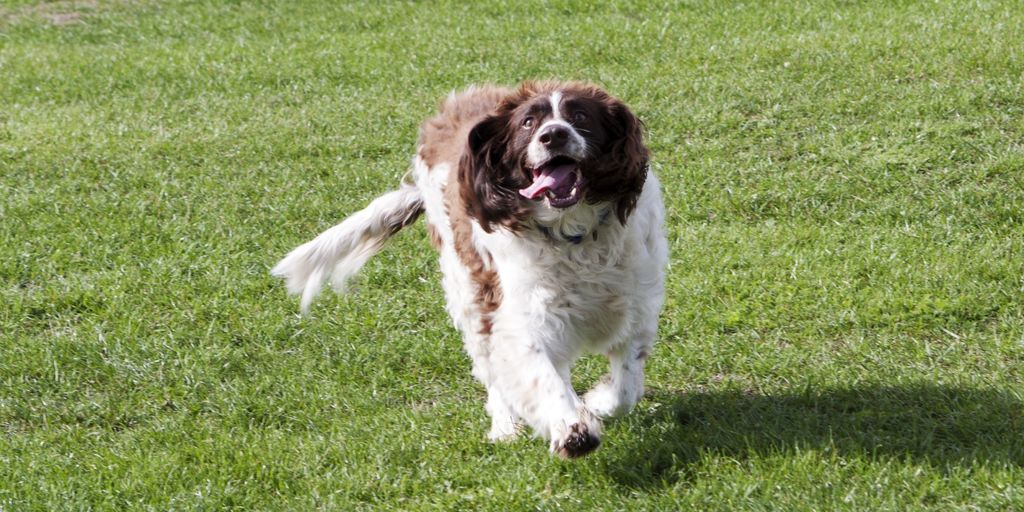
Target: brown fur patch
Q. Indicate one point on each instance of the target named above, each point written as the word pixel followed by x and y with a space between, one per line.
pixel 488 285
pixel 435 237
pixel 443 140
pixel 578 443
pixel 443 137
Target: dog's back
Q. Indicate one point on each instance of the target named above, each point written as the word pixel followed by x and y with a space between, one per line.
pixel 443 137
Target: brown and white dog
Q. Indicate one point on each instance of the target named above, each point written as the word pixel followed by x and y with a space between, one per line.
pixel 549 225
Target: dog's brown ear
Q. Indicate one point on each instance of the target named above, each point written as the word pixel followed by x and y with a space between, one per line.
pixel 627 156
pixel 620 172
pixel 486 183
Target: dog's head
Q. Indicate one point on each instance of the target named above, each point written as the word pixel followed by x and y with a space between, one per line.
pixel 551 146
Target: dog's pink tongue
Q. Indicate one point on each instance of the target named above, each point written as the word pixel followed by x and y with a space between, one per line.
pixel 554 178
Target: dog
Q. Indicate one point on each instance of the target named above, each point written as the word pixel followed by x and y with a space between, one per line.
pixel 550 229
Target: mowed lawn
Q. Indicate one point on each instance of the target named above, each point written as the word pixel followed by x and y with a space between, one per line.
pixel 844 326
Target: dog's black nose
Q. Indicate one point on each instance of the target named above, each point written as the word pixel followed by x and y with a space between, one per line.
pixel 554 136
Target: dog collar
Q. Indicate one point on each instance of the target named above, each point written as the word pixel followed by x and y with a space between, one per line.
pixel 577 238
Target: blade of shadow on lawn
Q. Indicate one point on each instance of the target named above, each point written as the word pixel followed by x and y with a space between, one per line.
pixel 933 424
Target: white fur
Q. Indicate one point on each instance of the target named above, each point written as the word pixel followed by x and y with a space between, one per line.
pixel 560 299
pixel 556 104
pixel 599 296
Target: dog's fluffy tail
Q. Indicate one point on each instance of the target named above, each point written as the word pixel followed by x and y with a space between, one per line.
pixel 341 251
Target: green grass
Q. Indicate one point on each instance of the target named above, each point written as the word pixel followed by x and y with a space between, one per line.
pixel 844 327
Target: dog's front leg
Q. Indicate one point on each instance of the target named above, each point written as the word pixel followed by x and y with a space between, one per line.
pixel 536 387
pixel 619 391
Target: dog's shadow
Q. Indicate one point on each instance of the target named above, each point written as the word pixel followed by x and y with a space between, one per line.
pixel 931 424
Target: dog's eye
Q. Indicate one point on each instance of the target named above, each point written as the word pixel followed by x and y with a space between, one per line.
pixel 579 116
pixel 528 122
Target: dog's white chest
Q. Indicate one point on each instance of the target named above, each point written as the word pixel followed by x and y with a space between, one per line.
pixel 587 296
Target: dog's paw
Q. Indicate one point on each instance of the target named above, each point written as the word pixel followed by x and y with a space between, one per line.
pixel 504 430
pixel 605 401
pixel 577 442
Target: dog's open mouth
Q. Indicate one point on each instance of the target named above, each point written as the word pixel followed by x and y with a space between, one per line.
pixel 559 180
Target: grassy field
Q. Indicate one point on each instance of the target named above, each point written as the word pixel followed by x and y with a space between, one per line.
pixel 844 327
